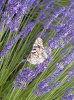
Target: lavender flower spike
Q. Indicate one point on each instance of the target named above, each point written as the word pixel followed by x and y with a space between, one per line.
pixel 70 74
pixel 21 79
pixel 9 45
pixel 43 88
pixel 25 30
pixel 27 75
pixel 58 11
pixel 67 59
pixel 68 95
pixel 42 66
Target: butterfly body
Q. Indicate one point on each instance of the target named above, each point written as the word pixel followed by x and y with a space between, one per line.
pixel 38 53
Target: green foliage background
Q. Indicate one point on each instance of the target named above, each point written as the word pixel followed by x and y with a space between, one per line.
pixel 15 62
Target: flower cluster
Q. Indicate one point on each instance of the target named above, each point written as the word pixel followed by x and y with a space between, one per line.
pixel 68 95
pixel 64 30
pixel 59 67
pixel 9 45
pixel 1 3
pixel 49 6
pixel 24 32
pixel 27 75
pixel 43 88
pixel 20 80
pixel 12 16
pixel 13 12
pixel 67 59
pixel 70 74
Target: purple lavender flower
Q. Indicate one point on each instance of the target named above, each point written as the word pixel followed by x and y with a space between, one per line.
pixel 67 59
pixel 57 71
pixel 1 25
pixel 64 28
pixel 48 6
pixel 43 88
pixel 70 74
pixel 1 3
pixel 53 42
pixel 58 11
pixel 27 75
pixel 60 66
pixel 9 45
pixel 61 39
pixel 68 94
pixel 19 6
pixel 72 41
pixel 42 34
pixel 14 23
pixel 13 12
pixel 21 78
pixel 42 66
pixel 25 30
pixel 24 78
pixel 71 97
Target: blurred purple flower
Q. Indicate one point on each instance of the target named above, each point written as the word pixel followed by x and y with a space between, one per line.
pixel 1 3
pixel 56 72
pixel 43 88
pixel 68 95
pixel 57 12
pixel 21 78
pixel 60 66
pixel 49 6
pixel 13 12
pixel 70 74
pixel 27 75
pixel 42 66
pixel 53 42
pixel 9 45
pixel 25 30
pixel 68 58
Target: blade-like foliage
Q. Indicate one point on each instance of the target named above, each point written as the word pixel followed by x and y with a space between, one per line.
pixel 21 23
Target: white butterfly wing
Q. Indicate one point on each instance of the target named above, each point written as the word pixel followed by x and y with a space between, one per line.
pixel 38 53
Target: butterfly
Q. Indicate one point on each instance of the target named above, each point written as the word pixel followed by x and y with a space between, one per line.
pixel 38 53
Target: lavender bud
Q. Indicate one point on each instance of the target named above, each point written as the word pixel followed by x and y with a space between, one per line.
pixel 13 12
pixel 9 45
pixel 70 74
pixel 48 22
pixel 43 88
pixel 53 42
pixel 21 79
pixel 42 66
pixel 49 6
pixel 67 59
pixel 59 67
pixel 25 30
pixel 1 3
pixel 68 95
pixel 72 41
pixel 27 75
